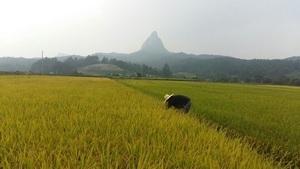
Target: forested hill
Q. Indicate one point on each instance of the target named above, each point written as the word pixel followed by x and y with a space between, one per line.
pixel 154 60
pixel 286 71
pixel 12 64
pixel 225 69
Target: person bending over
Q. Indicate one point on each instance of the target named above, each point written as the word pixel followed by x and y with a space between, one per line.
pixel 179 102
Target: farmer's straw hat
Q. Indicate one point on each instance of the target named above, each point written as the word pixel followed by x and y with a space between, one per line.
pixel 167 97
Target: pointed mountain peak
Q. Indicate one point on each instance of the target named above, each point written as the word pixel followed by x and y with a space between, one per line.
pixel 154 35
pixel 153 44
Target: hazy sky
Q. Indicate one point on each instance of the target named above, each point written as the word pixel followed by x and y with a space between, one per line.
pixel 239 28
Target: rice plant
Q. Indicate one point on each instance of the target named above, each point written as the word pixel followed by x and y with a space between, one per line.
pixel 268 116
pixel 72 122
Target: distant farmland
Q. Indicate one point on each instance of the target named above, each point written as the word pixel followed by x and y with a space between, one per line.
pixel 74 122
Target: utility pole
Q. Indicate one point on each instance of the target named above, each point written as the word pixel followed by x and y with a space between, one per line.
pixel 42 62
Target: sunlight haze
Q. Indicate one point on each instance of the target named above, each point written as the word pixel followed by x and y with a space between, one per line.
pixel 266 29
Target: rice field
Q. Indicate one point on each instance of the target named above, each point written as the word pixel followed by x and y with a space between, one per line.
pixel 267 116
pixel 74 122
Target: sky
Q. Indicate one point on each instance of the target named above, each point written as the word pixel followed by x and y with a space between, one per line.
pixel 247 29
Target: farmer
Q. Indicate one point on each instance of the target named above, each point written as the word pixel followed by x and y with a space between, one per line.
pixel 180 102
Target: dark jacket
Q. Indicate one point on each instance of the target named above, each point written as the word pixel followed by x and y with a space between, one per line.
pixel 177 101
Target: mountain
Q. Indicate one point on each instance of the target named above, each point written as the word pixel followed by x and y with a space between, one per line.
pixel 16 64
pixel 153 45
pixel 294 58
pixel 61 54
pixel 154 53
pixel 65 57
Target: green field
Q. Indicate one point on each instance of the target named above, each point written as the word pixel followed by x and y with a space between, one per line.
pixel 74 122
pixel 268 116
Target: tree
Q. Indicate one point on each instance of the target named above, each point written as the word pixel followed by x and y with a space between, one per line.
pixel 52 66
pixel 89 60
pixel 138 74
pixel 44 66
pixel 104 60
pixel 166 72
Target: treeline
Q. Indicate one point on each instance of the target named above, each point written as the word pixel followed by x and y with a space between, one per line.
pixel 141 70
pixel 227 69
pixel 66 67
pixel 223 69
pixel 16 73
pixel 71 64
pixel 12 64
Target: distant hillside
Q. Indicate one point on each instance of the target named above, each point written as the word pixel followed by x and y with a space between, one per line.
pixel 153 56
pixel 293 58
pixel 65 57
pixel 154 53
pixel 16 64
pixel 100 69
pixel 228 69
pixel 214 67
